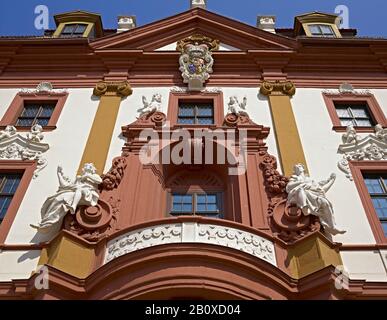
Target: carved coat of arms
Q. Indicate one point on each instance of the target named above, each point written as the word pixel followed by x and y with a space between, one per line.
pixel 196 60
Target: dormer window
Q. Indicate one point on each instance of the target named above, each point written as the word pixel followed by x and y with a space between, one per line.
pixel 321 30
pixel 73 30
pixel 317 24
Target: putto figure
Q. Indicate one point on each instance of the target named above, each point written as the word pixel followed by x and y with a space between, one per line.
pixel 153 106
pixel 237 108
pixel 380 133
pixel 8 132
pixel 350 135
pixel 36 133
pixel 82 192
pixel 310 197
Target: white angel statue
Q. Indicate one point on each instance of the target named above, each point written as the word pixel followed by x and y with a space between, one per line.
pixel 82 192
pixel 237 108
pixel 153 106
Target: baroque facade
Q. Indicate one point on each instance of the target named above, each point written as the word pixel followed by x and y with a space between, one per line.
pixel 207 159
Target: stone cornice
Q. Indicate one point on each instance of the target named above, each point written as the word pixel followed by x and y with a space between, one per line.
pixel 107 88
pixel 278 88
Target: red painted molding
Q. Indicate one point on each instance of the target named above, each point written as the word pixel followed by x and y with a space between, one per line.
pixel 215 98
pixel 375 110
pixel 16 107
pixel 357 168
pixel 28 167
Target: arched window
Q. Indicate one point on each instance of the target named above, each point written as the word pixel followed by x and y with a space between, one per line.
pixel 196 193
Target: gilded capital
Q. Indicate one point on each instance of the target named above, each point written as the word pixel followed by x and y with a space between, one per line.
pixel 278 88
pixel 121 89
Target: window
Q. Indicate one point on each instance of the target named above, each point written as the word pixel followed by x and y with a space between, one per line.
pixel 204 204
pixel 359 109
pixel 27 109
pixel 73 30
pixel 195 109
pixel 8 186
pixel 356 114
pixel 377 188
pixel 35 113
pixel 195 113
pixel 321 30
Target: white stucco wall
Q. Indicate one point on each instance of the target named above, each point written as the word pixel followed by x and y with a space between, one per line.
pixel 320 145
pixel 67 143
pixel 18 264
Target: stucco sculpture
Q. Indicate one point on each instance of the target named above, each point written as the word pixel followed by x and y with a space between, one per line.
pixel 8 132
pixel 380 132
pixel 36 133
pixel 310 197
pixel 350 135
pixel 82 192
pixel 236 107
pixel 153 106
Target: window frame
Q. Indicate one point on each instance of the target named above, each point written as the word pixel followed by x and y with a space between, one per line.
pixel 76 24
pixel 194 212
pixel 17 106
pixel 358 168
pixel 196 115
pixel 27 167
pixel 375 111
pixel 175 98
pixel 322 35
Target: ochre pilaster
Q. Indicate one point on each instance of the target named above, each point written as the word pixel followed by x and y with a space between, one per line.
pixel 311 255
pixel 288 139
pixel 98 142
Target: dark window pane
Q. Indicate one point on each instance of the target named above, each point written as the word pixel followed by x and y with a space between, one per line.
pixel 177 207
pixel 188 111
pixel 187 208
pixel 69 28
pixel 80 29
pixel 201 198
pixel 201 208
pixel 25 122
pixel 373 185
pixel 4 204
pixel 384 226
pixel 30 111
pixel 363 123
pixel 342 112
pixel 211 198
pixel 380 205
pixel 186 120
pixel 42 122
pixel 205 121
pixel 212 207
pixel 314 29
pixel 326 29
pixel 46 111
pixel 205 111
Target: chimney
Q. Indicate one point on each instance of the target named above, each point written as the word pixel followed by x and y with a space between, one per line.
pixel 266 23
pixel 126 23
pixel 198 4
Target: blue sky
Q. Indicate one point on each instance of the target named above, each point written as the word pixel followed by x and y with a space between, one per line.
pixel 369 17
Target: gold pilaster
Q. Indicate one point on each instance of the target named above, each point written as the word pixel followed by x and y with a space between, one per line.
pixel 288 139
pixel 98 142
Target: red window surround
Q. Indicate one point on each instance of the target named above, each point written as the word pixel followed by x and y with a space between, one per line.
pixel 16 107
pixel 215 98
pixel 357 168
pixel 11 166
pixel 375 111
